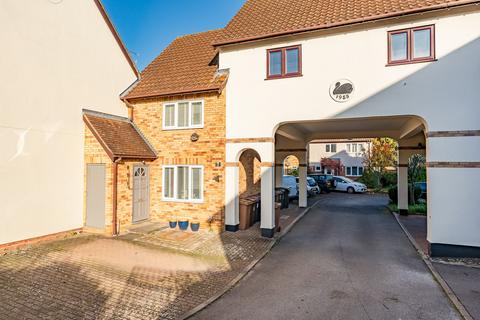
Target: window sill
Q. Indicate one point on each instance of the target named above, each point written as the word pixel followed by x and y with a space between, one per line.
pixel 400 63
pixel 296 75
pixel 183 201
pixel 182 128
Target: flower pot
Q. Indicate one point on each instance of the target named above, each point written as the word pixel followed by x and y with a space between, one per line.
pixel 195 226
pixel 173 224
pixel 183 225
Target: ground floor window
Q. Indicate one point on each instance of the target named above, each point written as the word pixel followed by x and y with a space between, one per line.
pixel 183 183
pixel 354 171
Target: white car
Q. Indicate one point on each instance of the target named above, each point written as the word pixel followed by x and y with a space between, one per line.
pixel 290 183
pixel 348 185
pixel 312 186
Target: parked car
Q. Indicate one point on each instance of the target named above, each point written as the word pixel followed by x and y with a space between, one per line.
pixel 348 185
pixel 312 186
pixel 290 183
pixel 423 187
pixel 324 181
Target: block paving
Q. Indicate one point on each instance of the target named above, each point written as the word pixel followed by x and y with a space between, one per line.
pixel 96 277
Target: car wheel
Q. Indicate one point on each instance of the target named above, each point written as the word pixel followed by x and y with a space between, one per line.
pixel 350 190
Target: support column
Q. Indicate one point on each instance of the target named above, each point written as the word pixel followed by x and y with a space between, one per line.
pixel 231 197
pixel 278 174
pixel 302 185
pixel 402 182
pixel 402 187
pixel 267 220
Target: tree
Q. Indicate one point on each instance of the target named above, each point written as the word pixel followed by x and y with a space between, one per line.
pixel 381 154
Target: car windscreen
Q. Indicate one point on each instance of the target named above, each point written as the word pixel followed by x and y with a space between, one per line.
pixel 311 182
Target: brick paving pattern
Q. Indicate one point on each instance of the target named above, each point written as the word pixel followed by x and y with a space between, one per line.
pixel 93 277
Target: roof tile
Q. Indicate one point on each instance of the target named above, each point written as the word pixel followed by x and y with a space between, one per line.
pixel 265 18
pixel 118 136
pixel 183 67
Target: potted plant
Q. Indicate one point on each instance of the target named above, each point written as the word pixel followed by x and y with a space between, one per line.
pixel 195 224
pixel 183 223
pixel 172 221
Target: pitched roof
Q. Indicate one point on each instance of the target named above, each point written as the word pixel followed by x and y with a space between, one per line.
pixel 115 34
pixel 259 19
pixel 119 136
pixel 183 67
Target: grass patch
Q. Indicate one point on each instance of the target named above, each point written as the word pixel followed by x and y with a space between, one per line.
pixel 419 208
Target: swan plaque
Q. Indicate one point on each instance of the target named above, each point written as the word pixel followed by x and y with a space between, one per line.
pixel 341 90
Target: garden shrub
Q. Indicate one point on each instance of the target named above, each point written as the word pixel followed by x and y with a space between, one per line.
pixel 393 194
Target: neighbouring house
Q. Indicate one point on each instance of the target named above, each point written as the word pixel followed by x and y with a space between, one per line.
pixel 58 57
pixel 170 152
pixel 349 153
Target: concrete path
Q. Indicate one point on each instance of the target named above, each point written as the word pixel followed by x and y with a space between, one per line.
pixel 346 259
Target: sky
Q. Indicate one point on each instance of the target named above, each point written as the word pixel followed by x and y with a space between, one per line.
pixel 148 26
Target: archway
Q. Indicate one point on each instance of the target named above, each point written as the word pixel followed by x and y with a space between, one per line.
pixel 249 188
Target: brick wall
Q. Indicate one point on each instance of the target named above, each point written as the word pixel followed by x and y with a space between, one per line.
pixel 175 147
pixel 249 173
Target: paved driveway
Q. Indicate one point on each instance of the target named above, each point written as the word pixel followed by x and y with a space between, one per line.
pixel 346 259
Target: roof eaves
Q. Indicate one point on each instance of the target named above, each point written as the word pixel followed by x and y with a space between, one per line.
pixel 345 23
pixel 176 93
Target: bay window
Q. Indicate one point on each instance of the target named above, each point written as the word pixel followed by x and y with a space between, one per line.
pixel 183 115
pixel 183 183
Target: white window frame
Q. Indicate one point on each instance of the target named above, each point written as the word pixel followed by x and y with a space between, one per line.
pixel 175 184
pixel 175 104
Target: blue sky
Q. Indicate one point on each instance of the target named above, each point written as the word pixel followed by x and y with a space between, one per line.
pixel 148 26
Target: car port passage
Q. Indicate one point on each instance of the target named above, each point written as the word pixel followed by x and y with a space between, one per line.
pixel 346 259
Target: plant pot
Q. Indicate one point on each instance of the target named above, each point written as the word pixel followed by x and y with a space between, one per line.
pixel 173 224
pixel 183 225
pixel 195 226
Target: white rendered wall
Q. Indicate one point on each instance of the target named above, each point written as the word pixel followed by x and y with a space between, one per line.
pixel 255 106
pixel 445 93
pixel 56 59
pixel 317 151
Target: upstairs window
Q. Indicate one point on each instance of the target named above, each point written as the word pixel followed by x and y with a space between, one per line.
pixel 331 147
pixel 284 62
pixel 183 115
pixel 411 45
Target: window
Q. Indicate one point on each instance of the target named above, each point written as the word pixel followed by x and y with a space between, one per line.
pixel 354 171
pixel 360 171
pixel 284 62
pixel 349 147
pixel 183 183
pixel 318 168
pixel 183 115
pixel 349 171
pixel 331 147
pixel 411 45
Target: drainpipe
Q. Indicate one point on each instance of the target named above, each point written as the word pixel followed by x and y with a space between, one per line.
pixel 130 109
pixel 114 197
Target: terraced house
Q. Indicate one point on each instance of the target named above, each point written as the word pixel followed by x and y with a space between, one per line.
pixel 214 116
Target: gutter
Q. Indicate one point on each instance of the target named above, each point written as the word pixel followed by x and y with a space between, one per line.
pixel 350 22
